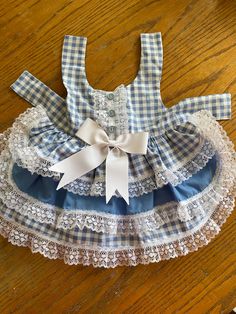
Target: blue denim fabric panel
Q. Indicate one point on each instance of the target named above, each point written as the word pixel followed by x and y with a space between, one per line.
pixel 44 189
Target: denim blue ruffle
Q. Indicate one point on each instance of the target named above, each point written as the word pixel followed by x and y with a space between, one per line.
pixel 44 190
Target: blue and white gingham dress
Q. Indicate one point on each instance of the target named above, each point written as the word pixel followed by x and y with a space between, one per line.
pixel 181 191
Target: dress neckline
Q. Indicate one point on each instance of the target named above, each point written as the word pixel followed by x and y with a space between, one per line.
pixel 121 86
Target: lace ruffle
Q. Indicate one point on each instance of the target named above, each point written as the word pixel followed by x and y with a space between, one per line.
pixel 129 256
pixel 30 157
pixel 4 139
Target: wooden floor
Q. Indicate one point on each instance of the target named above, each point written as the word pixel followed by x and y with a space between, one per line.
pixel 199 42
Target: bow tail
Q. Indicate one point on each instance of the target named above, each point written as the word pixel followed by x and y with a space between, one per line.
pixel 80 163
pixel 117 169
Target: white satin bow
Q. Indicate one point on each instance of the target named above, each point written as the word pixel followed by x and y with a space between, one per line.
pixel 114 151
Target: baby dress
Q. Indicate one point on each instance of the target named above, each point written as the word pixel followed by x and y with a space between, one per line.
pixel 176 165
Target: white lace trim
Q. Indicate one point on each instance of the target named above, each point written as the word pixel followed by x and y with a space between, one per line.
pixel 4 137
pixel 29 157
pixel 131 224
pixel 110 258
pixel 176 177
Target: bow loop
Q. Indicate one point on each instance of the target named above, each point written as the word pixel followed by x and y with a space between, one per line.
pixel 102 148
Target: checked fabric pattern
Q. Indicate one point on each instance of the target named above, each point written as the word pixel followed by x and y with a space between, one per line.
pixel 181 191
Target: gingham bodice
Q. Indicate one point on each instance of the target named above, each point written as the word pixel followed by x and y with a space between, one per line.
pixel 129 108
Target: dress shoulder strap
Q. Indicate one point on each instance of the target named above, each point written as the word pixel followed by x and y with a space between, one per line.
pixel 73 62
pixel 144 96
pixel 151 62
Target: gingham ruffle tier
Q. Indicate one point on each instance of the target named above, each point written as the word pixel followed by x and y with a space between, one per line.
pixel 168 159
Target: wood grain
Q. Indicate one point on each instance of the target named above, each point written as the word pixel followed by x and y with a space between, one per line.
pixel 199 42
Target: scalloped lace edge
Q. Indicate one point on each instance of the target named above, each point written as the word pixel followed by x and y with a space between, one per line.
pixel 29 157
pixel 110 258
